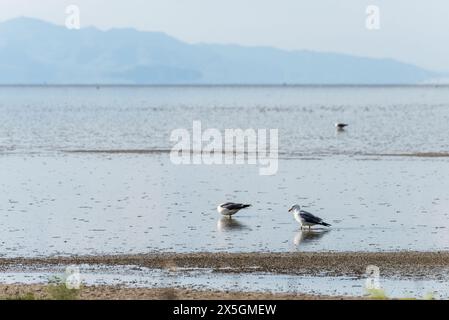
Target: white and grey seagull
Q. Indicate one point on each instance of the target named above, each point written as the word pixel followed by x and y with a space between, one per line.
pixel 231 208
pixel 306 219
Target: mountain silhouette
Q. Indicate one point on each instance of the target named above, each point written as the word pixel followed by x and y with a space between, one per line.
pixel 36 52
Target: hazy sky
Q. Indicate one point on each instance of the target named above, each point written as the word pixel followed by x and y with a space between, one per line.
pixel 415 31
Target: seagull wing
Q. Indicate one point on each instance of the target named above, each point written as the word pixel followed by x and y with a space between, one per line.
pixel 310 218
pixel 234 206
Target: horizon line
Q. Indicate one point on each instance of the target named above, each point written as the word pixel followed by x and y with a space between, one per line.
pixel 227 85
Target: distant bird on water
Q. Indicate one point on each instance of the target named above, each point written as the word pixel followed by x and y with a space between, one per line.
pixel 306 219
pixel 341 126
pixel 230 208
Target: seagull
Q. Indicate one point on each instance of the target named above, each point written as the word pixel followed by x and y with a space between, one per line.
pixel 230 208
pixel 341 126
pixel 306 219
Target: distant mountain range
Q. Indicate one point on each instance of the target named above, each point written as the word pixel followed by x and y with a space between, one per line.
pixel 36 52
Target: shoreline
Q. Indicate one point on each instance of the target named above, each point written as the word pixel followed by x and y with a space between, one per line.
pixel 399 265
pixel 406 264
pixel 104 292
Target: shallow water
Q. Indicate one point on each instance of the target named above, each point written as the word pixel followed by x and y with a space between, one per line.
pixel 201 279
pixel 88 204
pixel 57 202
pixel 382 119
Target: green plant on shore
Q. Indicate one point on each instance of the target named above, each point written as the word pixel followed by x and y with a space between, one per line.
pixel 26 296
pixel 378 294
pixel 57 290
pixel 429 296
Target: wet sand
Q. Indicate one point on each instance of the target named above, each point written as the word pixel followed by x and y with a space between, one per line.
pixel 37 291
pixel 414 265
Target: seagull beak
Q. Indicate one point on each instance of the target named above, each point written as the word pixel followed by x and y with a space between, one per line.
pixel 290 210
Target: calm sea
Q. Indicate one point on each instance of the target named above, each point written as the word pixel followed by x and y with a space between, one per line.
pixel 382 183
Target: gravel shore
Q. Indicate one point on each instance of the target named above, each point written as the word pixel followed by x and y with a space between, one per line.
pixel 414 265
pixel 34 291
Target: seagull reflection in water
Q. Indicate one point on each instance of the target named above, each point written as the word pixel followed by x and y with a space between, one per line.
pixel 226 224
pixel 306 236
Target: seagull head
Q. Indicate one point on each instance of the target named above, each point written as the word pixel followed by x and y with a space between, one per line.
pixel 294 207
